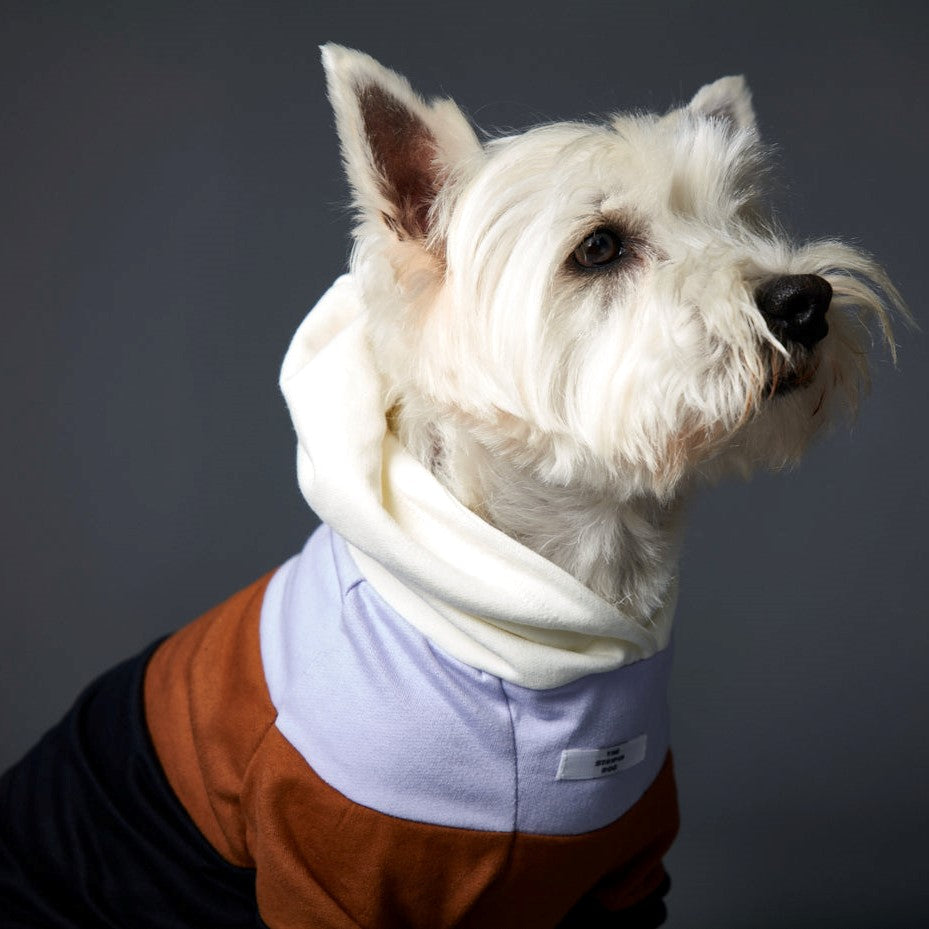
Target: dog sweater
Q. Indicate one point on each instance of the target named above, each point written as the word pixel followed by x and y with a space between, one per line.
pixel 373 780
pixel 415 722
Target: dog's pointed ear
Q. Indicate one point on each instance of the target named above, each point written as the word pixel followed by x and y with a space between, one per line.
pixel 398 149
pixel 728 99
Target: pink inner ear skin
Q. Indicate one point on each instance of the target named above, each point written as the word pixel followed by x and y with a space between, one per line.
pixel 404 152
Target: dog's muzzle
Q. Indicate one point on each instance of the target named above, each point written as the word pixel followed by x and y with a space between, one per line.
pixel 794 307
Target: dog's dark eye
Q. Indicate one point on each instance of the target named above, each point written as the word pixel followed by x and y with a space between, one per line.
pixel 599 249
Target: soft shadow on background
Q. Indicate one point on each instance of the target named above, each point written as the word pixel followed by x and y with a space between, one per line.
pixel 171 204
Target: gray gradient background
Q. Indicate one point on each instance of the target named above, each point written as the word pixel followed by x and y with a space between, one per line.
pixel 171 204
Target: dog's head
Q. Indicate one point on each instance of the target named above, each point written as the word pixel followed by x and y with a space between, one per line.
pixel 605 304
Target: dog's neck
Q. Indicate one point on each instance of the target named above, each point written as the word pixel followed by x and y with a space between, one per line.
pixel 626 552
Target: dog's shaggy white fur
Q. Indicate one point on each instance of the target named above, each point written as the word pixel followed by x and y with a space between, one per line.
pixel 575 406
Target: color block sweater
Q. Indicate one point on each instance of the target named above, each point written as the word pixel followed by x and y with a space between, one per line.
pixel 415 722
pixel 373 780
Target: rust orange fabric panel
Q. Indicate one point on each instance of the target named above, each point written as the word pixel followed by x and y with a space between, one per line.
pixel 619 865
pixel 350 866
pixel 320 853
pixel 207 709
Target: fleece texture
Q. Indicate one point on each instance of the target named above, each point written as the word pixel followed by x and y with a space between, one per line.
pixel 485 599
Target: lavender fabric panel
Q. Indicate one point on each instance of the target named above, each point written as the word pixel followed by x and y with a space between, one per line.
pixel 397 725
pixel 375 711
pixel 597 711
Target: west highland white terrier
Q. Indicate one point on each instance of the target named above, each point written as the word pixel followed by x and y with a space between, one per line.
pixel 450 708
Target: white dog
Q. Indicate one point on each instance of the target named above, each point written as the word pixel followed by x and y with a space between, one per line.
pixel 450 708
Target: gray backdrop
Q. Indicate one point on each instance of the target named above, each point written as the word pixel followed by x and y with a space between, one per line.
pixel 171 204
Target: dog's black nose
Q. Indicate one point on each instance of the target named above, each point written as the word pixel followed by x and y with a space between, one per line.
pixel 794 307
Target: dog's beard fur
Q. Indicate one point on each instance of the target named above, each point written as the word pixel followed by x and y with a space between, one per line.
pixel 572 408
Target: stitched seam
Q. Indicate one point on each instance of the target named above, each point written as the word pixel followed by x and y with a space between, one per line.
pixel 509 710
pixel 501 875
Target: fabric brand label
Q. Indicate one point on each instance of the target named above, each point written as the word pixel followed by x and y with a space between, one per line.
pixel 581 764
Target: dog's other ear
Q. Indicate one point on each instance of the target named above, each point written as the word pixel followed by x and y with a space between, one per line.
pixel 398 149
pixel 729 99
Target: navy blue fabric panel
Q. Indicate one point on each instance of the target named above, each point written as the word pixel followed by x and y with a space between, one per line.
pixel 92 836
pixel 649 913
